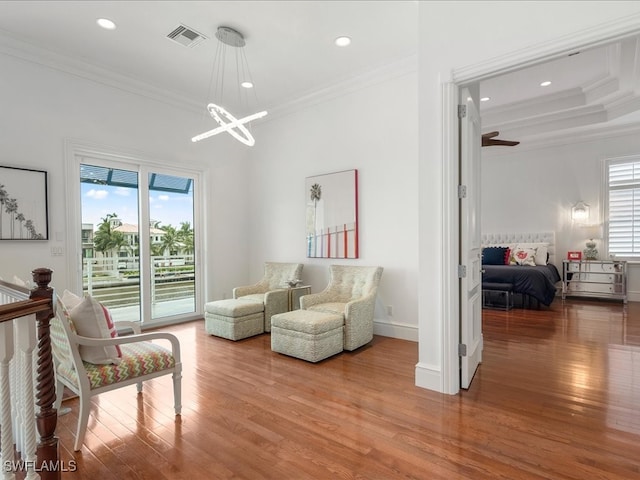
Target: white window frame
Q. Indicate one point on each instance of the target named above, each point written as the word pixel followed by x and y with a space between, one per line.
pixel 78 152
pixel 606 208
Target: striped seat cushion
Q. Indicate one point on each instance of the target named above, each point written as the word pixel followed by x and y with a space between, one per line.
pixel 138 359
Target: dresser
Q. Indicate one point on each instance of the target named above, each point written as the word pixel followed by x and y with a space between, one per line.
pixel 605 279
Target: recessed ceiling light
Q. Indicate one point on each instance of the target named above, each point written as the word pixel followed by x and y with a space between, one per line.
pixel 106 24
pixel 246 85
pixel 485 99
pixel 343 41
pixel 545 84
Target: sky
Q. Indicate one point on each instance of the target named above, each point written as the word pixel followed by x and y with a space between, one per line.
pixel 166 207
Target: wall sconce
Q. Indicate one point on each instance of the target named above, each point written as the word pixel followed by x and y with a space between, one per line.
pixel 580 212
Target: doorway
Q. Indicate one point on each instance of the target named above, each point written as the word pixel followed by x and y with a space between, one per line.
pixel 451 93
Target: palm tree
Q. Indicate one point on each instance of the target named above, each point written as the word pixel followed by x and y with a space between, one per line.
pixel 11 207
pixel 30 228
pixel 106 239
pixel 117 242
pixel 170 240
pixel 20 219
pixel 185 236
pixel 315 195
pixel 156 250
pixel 3 199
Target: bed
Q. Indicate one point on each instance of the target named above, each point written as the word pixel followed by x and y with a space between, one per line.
pixel 526 262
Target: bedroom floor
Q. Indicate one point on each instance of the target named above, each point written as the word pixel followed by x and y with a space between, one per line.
pixel 576 367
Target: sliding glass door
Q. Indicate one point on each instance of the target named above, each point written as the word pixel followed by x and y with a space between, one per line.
pixel 139 235
pixel 171 248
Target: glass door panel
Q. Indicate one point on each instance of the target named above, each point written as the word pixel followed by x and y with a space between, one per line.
pixel 110 239
pixel 171 246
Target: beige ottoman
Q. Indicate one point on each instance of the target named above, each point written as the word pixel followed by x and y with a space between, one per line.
pixel 234 319
pixel 305 334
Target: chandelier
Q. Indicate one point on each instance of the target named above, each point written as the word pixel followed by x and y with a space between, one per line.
pixel 236 127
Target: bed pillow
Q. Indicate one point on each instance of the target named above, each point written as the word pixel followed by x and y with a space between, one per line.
pixel 542 251
pixel 91 319
pixel 523 256
pixel 493 255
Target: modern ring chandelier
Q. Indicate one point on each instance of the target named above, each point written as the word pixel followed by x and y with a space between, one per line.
pixel 225 120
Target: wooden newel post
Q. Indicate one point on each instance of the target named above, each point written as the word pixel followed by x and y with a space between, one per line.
pixel 48 456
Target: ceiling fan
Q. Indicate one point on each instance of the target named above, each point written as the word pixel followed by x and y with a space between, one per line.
pixel 488 140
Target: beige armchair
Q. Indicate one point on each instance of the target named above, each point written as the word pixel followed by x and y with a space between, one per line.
pixel 272 289
pixel 352 293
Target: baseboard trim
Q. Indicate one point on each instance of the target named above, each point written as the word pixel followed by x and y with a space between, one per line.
pixel 429 377
pixel 401 331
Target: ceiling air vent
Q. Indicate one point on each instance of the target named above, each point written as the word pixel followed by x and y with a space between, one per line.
pixel 186 36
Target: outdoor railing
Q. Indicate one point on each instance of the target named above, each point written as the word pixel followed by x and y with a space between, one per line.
pixel 115 281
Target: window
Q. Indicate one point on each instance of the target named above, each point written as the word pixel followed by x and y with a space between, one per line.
pixel 139 224
pixel 622 206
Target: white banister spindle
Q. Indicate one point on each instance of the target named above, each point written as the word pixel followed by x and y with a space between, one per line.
pixel 6 422
pixel 26 337
pixel 18 340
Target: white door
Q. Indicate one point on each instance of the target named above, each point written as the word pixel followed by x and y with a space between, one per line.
pixel 470 241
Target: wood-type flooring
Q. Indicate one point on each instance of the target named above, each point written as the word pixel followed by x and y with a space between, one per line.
pixel 557 396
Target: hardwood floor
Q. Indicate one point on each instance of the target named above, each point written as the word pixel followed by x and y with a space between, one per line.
pixel 556 397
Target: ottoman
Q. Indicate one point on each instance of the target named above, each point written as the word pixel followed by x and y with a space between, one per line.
pixel 306 334
pixel 234 319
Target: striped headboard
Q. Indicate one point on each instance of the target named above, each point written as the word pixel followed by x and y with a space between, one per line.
pixel 529 237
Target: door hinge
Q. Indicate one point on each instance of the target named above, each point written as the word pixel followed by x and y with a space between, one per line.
pixel 462 191
pixel 462 271
pixel 462 111
pixel 462 349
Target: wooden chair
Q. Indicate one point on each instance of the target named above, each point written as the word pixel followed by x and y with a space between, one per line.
pixel 141 360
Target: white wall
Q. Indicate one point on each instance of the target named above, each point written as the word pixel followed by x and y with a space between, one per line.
pixel 373 130
pixel 43 106
pixel 534 189
pixel 255 208
pixel 454 35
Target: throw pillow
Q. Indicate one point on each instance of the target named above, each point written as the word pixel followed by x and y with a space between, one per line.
pixel 523 256
pixel 493 255
pixel 70 299
pixel 542 251
pixel 91 319
pixel 507 256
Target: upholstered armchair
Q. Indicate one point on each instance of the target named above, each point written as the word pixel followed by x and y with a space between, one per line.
pixel 352 293
pixel 272 289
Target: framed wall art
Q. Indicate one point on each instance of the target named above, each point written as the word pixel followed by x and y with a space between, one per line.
pixel 332 215
pixel 23 204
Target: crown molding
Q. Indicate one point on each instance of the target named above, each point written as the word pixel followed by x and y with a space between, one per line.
pixel 399 68
pixel 602 34
pixel 36 54
pixel 25 51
